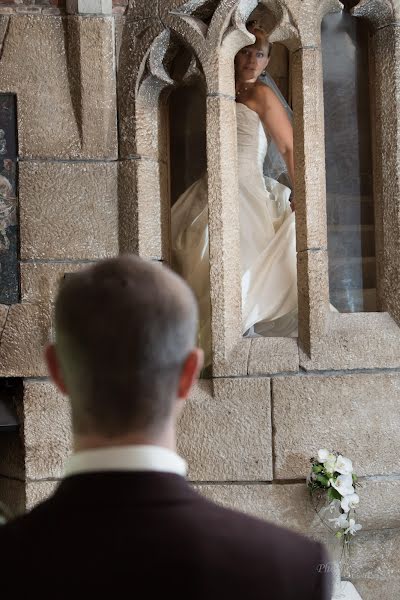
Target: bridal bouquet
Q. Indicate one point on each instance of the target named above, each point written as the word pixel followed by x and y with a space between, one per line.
pixel 333 482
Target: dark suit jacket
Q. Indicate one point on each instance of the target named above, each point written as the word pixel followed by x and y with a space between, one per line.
pixel 149 535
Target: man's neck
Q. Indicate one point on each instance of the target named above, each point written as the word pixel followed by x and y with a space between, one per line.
pixel 164 439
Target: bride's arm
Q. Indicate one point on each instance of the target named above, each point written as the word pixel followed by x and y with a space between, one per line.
pixel 276 123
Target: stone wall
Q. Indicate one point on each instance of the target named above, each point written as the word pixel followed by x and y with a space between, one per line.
pixel 86 192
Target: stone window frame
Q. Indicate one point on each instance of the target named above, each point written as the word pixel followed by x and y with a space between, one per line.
pixel 327 341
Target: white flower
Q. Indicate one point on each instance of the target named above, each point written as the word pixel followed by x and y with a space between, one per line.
pixel 330 463
pixel 353 527
pixel 343 465
pixel 349 501
pixel 323 455
pixel 343 484
pixel 340 522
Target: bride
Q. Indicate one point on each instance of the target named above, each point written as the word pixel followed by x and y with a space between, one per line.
pixel 267 221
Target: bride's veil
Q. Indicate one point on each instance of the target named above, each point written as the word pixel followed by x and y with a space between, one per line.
pixel 274 165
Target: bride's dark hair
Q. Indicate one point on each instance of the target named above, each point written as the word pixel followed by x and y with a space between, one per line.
pixel 253 26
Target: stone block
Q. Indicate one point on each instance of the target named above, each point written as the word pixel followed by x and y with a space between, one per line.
pixel 347 413
pixel 4 308
pixel 273 355
pixel 47 430
pixel 144 211
pixel 40 281
pixel 68 211
pixel 355 341
pixel 236 363
pixel 374 565
pixel 91 56
pixel 225 433
pixel 25 334
pixel 67 95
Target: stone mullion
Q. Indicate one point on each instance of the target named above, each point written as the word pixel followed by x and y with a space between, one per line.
pixel 386 47
pixel 223 227
pixel 310 194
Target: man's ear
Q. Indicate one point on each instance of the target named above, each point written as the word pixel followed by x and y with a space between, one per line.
pixel 54 368
pixel 190 372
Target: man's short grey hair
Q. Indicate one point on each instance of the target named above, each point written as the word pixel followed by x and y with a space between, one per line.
pixel 124 328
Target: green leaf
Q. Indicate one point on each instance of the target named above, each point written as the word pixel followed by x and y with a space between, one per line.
pixel 355 478
pixel 317 468
pixel 322 479
pixel 338 534
pixel 334 494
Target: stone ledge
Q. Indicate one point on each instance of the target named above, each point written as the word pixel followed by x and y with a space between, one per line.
pixel 355 341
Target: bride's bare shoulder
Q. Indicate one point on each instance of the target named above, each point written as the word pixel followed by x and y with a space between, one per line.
pixel 264 94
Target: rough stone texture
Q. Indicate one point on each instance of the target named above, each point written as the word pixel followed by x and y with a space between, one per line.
pixel 313 295
pixel 309 149
pixel 300 25
pixel 47 430
pixel 143 208
pixel 273 355
pixel 152 119
pixel 236 363
pixel 38 491
pixel 135 41
pixel 68 211
pixel 386 50
pixel 357 415
pixel 214 44
pixel 3 316
pixel 380 13
pixel 91 55
pixel 225 433
pixel 288 505
pixel 26 332
pixel 355 341
pixel 40 281
pixel 375 565
pixel 223 227
pixel 57 116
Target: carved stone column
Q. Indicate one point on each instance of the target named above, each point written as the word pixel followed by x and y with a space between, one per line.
pixel 301 27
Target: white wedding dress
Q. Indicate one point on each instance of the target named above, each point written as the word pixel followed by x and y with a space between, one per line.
pixel 267 241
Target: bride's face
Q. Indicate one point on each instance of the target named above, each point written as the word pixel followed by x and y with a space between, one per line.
pixel 251 61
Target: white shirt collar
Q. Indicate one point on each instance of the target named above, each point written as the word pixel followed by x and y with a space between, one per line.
pixel 125 458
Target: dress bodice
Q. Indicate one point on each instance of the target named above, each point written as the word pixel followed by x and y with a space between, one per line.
pixel 251 138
